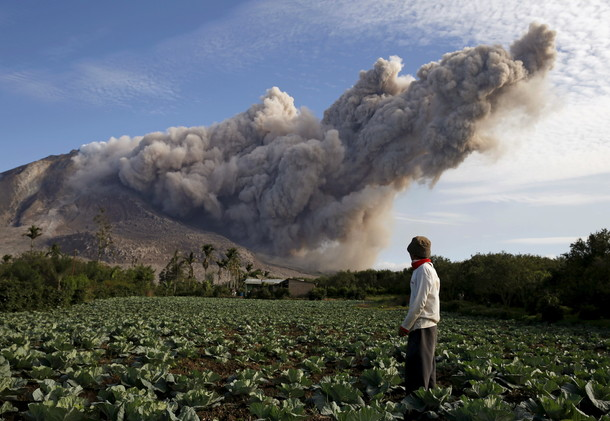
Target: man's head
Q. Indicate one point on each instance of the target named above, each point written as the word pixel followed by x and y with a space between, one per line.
pixel 419 248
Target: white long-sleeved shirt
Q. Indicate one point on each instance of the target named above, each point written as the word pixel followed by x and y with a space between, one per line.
pixel 424 303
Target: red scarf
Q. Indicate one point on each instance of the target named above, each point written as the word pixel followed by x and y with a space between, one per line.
pixel 417 263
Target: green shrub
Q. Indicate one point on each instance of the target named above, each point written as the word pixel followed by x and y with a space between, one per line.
pixel 589 312
pixel 280 293
pixel 21 288
pixel 550 308
pixel 38 281
pixel 453 306
pixel 331 292
pixel 221 291
pixel 317 294
pixel 77 288
pixel 551 313
pixel 262 293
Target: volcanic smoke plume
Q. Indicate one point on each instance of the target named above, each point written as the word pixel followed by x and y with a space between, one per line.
pixel 317 193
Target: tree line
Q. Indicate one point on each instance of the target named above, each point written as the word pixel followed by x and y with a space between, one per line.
pixel 43 279
pixel 577 282
pixel 40 280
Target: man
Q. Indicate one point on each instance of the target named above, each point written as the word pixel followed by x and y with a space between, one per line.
pixel 422 318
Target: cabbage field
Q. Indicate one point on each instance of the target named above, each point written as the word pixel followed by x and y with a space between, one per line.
pixel 186 358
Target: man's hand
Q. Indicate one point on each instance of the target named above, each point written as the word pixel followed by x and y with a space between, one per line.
pixel 402 331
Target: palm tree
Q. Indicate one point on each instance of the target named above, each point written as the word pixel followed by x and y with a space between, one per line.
pixel 222 264
pixel 233 266
pixel 54 251
pixel 33 233
pixel 189 260
pixel 207 250
pixel 256 273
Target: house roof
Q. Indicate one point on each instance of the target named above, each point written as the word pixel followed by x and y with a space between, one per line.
pixel 300 280
pixel 254 281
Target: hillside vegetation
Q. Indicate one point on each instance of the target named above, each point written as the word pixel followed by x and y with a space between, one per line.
pixel 577 283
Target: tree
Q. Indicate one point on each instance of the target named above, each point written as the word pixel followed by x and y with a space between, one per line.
pixel 584 253
pixel 54 251
pixel 207 250
pixel 190 260
pixel 172 273
pixel 233 266
pixel 105 243
pixel 584 279
pixel 254 273
pixel 33 233
pixel 507 279
pixel 449 272
pixel 222 264
pixel 60 262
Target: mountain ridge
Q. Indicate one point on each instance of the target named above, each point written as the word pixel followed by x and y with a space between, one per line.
pixel 41 193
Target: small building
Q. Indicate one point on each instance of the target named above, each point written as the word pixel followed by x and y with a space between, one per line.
pixel 297 288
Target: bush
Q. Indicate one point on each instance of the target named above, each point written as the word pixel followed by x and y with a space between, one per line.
pixel 356 294
pixel 331 292
pixel 38 281
pixel 22 288
pixel 116 288
pixel 78 289
pixel 317 294
pixel 589 312
pixel 221 291
pixel 551 314
pixel 452 306
pixel 206 289
pixel 550 309
pixel 281 293
pixel 266 292
pixel 263 293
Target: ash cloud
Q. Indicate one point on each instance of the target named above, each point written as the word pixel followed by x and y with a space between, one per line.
pixel 318 193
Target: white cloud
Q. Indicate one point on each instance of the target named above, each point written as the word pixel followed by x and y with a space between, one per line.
pixel 119 85
pixel 433 218
pixel 583 35
pixel 543 240
pixel 268 27
pixel 391 266
pixel 560 199
pixel 33 84
pixel 570 142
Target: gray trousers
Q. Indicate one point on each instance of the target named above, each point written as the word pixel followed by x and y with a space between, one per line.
pixel 420 367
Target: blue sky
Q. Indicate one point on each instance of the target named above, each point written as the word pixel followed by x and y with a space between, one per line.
pixel 75 72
